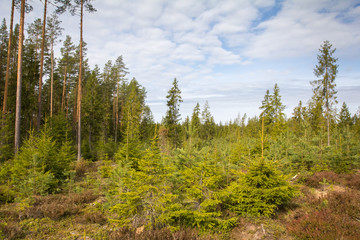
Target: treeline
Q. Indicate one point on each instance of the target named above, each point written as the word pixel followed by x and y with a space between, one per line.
pixel 190 173
pixel 50 90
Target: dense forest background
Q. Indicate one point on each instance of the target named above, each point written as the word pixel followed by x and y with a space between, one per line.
pixel 184 172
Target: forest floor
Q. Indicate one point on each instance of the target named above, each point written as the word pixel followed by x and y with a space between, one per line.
pixel 328 207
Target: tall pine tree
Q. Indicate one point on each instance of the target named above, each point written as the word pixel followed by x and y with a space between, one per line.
pixel 324 86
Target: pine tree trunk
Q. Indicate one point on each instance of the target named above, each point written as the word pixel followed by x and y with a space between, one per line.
pixel 117 112
pixel 41 66
pixel 8 60
pixel 19 78
pixel 52 80
pixel 64 90
pixel 328 122
pixel 79 87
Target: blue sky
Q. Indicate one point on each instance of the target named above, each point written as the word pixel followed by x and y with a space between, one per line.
pixel 228 52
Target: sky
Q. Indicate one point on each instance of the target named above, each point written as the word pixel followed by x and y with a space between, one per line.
pixel 226 52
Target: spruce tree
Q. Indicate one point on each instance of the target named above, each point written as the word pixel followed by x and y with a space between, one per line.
pixel 208 123
pixel 272 111
pixel 344 116
pixel 267 109
pixel 172 117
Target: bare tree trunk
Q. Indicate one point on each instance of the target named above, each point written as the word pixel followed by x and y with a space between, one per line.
pixel 328 122
pixel 8 59
pixel 19 78
pixel 41 66
pixel 262 138
pixel 117 112
pixel 64 90
pixel 79 86
pixel 52 80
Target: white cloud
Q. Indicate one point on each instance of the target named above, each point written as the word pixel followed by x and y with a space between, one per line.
pixel 301 27
pixel 229 51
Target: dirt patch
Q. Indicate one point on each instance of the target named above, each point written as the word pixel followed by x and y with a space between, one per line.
pixel 249 231
pixel 324 191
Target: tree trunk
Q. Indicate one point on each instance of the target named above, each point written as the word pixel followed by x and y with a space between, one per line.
pixel 117 112
pixel 52 79
pixel 8 59
pixel 41 66
pixel 19 78
pixel 328 122
pixel 79 86
pixel 64 90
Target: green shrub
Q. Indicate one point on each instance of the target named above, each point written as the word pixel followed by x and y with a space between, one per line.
pixel 40 165
pixel 141 195
pixel 106 169
pixel 258 192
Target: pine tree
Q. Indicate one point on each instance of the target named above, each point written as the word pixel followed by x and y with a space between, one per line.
pixel 172 117
pixel 19 77
pixel 67 67
pixel 73 7
pixel 3 50
pixel 93 111
pixel 119 71
pixel 54 31
pixel 324 87
pixel 41 66
pixel 133 110
pixel 4 109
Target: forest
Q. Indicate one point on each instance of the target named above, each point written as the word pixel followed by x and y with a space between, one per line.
pixel 81 156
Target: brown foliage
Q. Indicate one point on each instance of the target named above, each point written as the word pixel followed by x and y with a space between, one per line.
pixel 347 203
pixel 335 216
pixel 323 224
pixel 156 234
pixel 316 179
pixel 353 180
pixel 11 230
pixel 58 206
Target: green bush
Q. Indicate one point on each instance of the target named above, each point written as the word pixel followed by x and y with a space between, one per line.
pixel 40 165
pixel 260 191
pixel 141 195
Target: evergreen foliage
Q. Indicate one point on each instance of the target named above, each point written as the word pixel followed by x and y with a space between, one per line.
pixel 143 196
pixel 324 88
pixel 260 191
pixel 172 117
pixel 40 166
